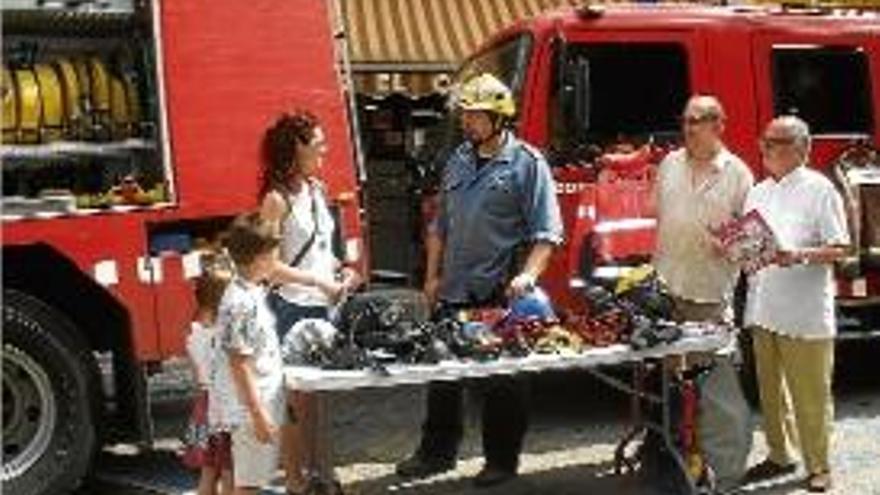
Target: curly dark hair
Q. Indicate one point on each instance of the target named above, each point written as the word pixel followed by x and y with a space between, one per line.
pixel 279 147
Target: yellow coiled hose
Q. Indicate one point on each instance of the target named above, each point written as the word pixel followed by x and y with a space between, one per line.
pixel 52 104
pixel 9 93
pixel 29 106
pixel 70 88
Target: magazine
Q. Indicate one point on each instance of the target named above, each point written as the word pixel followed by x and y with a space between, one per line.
pixel 748 240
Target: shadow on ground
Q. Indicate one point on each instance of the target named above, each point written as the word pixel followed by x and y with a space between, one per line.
pixel 571 480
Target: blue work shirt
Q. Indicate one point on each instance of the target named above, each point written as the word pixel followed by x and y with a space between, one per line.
pixel 487 212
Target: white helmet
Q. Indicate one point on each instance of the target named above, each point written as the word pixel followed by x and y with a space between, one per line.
pixel 307 339
pixel 487 93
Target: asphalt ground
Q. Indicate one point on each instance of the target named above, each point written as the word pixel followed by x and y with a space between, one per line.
pixel 576 423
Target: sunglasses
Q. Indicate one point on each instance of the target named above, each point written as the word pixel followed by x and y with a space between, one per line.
pixel 775 142
pixel 687 120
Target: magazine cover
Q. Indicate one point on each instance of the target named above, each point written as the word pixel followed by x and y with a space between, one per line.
pixel 748 240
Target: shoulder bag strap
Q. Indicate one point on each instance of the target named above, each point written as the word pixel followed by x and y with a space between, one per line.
pixel 311 240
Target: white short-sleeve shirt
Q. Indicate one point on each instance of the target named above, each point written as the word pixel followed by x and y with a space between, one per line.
pixel 684 255
pixel 804 210
pixel 245 325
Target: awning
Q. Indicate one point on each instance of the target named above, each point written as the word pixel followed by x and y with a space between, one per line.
pixel 427 35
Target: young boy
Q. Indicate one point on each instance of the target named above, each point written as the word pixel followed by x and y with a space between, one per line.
pixel 247 393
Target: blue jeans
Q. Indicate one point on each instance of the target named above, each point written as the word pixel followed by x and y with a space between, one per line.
pixel 288 313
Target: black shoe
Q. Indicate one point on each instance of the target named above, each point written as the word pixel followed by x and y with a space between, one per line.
pixel 766 470
pixel 316 486
pixel 419 466
pixel 491 476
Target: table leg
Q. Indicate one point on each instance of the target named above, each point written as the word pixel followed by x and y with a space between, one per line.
pixel 664 428
pixel 322 478
pixel 666 385
pixel 622 463
pixel 322 455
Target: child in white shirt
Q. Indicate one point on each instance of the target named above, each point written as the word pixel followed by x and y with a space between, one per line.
pixel 247 389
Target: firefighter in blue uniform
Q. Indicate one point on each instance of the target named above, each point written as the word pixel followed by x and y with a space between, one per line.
pixel 497 225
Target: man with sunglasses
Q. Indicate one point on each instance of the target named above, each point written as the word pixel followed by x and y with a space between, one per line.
pixel 790 308
pixel 699 187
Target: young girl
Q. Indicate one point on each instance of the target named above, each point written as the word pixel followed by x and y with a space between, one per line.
pixel 206 451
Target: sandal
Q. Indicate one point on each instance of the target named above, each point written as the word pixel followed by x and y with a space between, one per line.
pixel 819 482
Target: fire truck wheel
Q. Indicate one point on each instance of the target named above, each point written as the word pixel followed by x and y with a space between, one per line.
pixel 49 435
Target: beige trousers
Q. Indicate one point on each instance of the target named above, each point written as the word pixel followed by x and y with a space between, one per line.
pixel 794 375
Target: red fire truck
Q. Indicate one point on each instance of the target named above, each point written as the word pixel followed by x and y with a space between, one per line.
pixel 600 90
pixel 131 130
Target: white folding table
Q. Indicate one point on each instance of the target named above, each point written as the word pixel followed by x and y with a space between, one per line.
pixel 697 338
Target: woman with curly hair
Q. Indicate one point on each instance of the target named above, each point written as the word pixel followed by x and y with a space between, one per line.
pixel 311 279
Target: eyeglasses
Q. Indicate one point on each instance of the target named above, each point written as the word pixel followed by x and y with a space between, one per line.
pixel 769 142
pixel 687 120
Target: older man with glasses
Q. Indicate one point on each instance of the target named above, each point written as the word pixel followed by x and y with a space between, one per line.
pixel 790 307
pixel 699 187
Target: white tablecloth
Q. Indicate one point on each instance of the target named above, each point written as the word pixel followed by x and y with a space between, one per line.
pixel 696 338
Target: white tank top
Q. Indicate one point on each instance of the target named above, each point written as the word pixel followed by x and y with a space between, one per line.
pixel 296 228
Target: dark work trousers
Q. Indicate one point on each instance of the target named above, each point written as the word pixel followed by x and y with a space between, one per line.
pixel 505 418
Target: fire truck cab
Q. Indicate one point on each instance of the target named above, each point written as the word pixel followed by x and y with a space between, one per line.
pixel 600 90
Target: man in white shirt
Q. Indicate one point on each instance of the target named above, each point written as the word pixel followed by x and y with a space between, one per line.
pixel 700 186
pixel 791 303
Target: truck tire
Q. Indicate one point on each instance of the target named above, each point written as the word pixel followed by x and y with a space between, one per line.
pixel 49 435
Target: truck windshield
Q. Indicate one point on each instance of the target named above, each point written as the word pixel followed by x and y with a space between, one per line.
pixel 506 60
pixel 610 94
